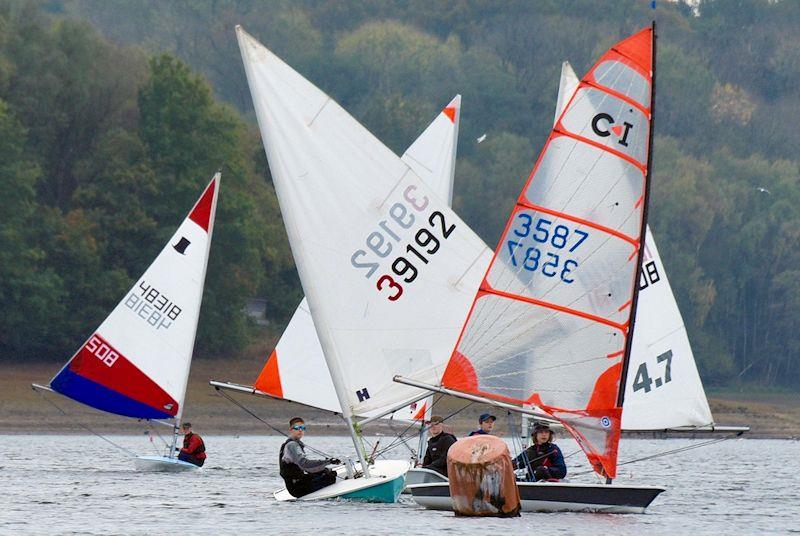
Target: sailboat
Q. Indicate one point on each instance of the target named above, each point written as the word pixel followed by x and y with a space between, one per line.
pixel 296 369
pixel 388 269
pixel 136 364
pixel 551 326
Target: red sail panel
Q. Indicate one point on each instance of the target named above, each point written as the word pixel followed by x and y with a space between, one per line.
pixel 551 322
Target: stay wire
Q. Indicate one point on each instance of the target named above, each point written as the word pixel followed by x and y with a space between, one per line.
pixel 85 427
pixel 274 429
pixel 673 451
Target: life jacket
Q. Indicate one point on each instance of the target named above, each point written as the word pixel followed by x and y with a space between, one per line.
pixel 290 472
pixel 199 451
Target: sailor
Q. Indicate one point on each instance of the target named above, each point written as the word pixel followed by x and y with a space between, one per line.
pixel 194 450
pixel 486 423
pixel 303 475
pixel 543 459
pixel 438 445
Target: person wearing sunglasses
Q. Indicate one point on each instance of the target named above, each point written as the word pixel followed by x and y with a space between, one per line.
pixel 301 474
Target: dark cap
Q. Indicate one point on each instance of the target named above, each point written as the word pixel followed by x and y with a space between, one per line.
pixel 540 425
pixel 435 419
pixel 485 417
pixel 186 425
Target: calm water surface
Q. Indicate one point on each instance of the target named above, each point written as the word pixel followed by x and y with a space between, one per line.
pixel 81 485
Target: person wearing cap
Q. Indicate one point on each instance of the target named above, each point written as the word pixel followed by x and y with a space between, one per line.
pixel 194 450
pixel 301 474
pixel 543 459
pixel 438 445
pixel 486 423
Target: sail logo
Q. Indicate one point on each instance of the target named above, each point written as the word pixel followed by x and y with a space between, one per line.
pixel 181 246
pixel 606 422
pixel 102 351
pixel 604 125
pixel 362 395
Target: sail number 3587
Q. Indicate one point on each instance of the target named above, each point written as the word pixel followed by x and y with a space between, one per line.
pixel 385 242
pixel 545 235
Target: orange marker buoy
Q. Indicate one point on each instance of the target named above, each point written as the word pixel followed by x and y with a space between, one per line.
pixel 482 479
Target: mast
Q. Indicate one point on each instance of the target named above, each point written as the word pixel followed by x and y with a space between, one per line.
pixel 643 231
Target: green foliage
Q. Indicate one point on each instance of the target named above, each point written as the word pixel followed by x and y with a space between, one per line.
pixel 103 152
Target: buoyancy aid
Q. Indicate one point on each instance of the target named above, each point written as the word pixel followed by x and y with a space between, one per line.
pixel 193 445
pixel 290 472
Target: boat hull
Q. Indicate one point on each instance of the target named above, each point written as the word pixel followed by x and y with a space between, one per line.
pixel 555 497
pixel 162 464
pixel 386 481
pixel 418 475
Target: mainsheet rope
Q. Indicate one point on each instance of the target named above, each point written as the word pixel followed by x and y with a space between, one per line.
pixel 85 427
pixel 273 428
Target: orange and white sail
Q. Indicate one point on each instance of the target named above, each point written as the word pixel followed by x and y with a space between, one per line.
pixel 550 325
pixel 663 388
pixel 296 369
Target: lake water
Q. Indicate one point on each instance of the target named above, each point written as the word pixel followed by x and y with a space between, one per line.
pixel 81 485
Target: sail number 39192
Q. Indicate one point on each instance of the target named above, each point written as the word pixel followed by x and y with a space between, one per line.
pixel 385 242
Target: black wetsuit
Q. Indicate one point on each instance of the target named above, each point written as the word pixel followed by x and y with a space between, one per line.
pixel 302 475
pixel 436 454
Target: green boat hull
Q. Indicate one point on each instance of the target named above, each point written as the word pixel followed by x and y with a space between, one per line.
pixel 385 492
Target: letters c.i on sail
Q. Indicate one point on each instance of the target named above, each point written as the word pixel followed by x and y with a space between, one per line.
pixel 388 269
pixel 296 369
pixel 137 362
pixel 551 322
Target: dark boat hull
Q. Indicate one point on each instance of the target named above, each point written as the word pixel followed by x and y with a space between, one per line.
pixel 555 497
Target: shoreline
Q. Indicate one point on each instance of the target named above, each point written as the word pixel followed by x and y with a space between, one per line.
pixel 24 411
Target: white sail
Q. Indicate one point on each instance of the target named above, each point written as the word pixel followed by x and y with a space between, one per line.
pixel 137 362
pixel 296 369
pixel 663 388
pixel 388 269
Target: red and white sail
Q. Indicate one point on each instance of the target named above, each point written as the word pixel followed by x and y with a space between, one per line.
pixel 550 324
pixel 388 269
pixel 663 388
pixel 296 369
pixel 137 362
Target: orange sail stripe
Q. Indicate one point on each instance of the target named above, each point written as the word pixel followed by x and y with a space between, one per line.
pixel 638 48
pixel 269 380
pixel 450 112
pixel 616 94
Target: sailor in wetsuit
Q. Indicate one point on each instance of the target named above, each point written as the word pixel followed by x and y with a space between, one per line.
pixel 194 450
pixel 543 459
pixel 438 445
pixel 301 474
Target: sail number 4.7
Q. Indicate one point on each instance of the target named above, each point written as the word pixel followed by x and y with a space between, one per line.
pixel 545 235
pixel 405 217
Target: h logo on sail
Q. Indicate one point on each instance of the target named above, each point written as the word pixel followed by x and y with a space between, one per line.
pixel 362 395
pixel 181 246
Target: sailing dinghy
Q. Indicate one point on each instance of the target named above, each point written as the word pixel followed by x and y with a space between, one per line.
pixel 136 364
pixel 551 325
pixel 296 369
pixel 388 269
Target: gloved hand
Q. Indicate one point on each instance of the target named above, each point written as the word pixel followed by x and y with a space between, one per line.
pixel 542 473
pixel 334 461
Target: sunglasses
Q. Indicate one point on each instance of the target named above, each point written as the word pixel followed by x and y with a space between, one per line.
pixel 299 427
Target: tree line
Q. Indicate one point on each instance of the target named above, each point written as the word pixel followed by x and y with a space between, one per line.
pixel 113 114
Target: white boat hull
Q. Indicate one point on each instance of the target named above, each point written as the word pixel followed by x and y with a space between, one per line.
pixel 387 479
pixel 162 464
pixel 418 475
pixel 555 497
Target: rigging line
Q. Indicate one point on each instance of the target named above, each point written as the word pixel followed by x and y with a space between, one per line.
pixel 271 427
pixel 673 451
pixel 65 414
pixel 401 436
